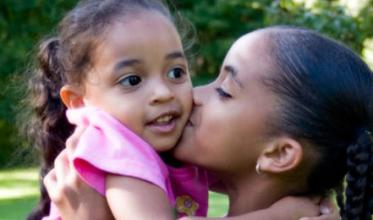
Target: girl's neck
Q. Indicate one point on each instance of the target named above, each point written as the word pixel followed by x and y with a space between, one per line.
pixel 169 159
pixel 252 193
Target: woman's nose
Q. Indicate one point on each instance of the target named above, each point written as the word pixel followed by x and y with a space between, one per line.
pixel 199 95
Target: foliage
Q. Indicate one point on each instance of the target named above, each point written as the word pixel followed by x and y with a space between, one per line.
pixel 220 22
pixel 22 25
pixel 217 23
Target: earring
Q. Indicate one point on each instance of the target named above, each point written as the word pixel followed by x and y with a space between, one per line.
pixel 257 168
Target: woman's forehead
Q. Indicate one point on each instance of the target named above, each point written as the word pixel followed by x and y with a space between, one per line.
pixel 249 55
pixel 252 44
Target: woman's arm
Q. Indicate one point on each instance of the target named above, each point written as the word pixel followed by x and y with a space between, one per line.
pixel 76 200
pixel 289 208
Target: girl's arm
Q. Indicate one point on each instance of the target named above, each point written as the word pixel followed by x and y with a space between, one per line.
pixel 131 198
pixel 126 197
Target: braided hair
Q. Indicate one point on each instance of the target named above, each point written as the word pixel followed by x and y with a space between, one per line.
pixel 64 59
pixel 325 92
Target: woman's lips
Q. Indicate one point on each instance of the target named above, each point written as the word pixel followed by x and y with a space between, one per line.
pixel 189 123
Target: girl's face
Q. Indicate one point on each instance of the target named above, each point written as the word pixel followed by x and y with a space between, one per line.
pixel 140 76
pixel 229 121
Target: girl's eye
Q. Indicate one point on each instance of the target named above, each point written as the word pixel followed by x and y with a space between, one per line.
pixel 131 80
pixel 176 73
pixel 223 93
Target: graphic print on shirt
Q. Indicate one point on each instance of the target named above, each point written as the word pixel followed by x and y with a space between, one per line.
pixel 186 205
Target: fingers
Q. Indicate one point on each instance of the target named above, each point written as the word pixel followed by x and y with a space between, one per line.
pixel 327 206
pixel 54 180
pixel 61 167
pixel 323 217
pixel 72 141
pixel 328 211
pixel 316 199
pixel 50 183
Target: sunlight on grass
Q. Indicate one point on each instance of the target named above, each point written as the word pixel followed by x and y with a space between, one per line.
pixel 18 192
pixel 18 183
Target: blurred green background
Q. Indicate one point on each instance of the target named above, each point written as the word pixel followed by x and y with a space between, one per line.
pixel 24 23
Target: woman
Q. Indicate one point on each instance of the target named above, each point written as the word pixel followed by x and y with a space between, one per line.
pixel 295 105
pixel 298 107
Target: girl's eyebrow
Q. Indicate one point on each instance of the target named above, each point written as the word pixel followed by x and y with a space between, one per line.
pixel 125 63
pixel 175 55
pixel 233 73
pixel 132 62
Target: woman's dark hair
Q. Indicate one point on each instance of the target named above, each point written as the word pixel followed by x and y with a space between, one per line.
pixel 63 59
pixel 326 98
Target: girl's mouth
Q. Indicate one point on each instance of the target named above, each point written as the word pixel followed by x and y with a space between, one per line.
pixel 164 124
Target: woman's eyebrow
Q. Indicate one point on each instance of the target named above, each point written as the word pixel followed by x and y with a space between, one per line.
pixel 233 73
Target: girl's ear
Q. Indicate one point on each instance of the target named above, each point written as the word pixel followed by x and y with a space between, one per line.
pixel 282 155
pixel 71 96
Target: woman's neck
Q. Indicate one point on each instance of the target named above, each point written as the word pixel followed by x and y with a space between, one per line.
pixel 253 193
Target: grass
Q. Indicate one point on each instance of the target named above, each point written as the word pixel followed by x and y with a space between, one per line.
pixel 19 194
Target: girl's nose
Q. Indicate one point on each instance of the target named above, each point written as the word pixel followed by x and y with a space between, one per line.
pixel 161 94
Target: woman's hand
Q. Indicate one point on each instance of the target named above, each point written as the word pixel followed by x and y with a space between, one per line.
pixel 328 211
pixel 314 208
pixel 295 208
pixel 73 197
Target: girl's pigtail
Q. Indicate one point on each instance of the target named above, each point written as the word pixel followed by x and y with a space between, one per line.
pixel 49 127
pixel 359 171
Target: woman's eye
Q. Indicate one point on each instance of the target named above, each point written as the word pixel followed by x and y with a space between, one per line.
pixel 131 80
pixel 223 93
pixel 176 73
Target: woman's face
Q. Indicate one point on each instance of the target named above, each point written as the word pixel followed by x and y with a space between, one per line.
pixel 227 127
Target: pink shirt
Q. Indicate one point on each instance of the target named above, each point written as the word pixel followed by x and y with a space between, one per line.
pixel 108 147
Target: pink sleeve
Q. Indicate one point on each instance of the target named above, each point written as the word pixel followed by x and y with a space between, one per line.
pixel 108 147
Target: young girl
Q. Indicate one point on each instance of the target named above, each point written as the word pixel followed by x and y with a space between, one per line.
pixel 120 69
pixel 122 63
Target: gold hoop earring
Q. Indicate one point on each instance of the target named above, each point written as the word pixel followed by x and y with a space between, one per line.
pixel 257 169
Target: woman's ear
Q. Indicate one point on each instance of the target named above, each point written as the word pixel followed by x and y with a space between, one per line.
pixel 281 155
pixel 71 96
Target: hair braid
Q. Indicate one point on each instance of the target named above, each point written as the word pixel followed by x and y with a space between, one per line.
pixel 369 197
pixel 358 159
